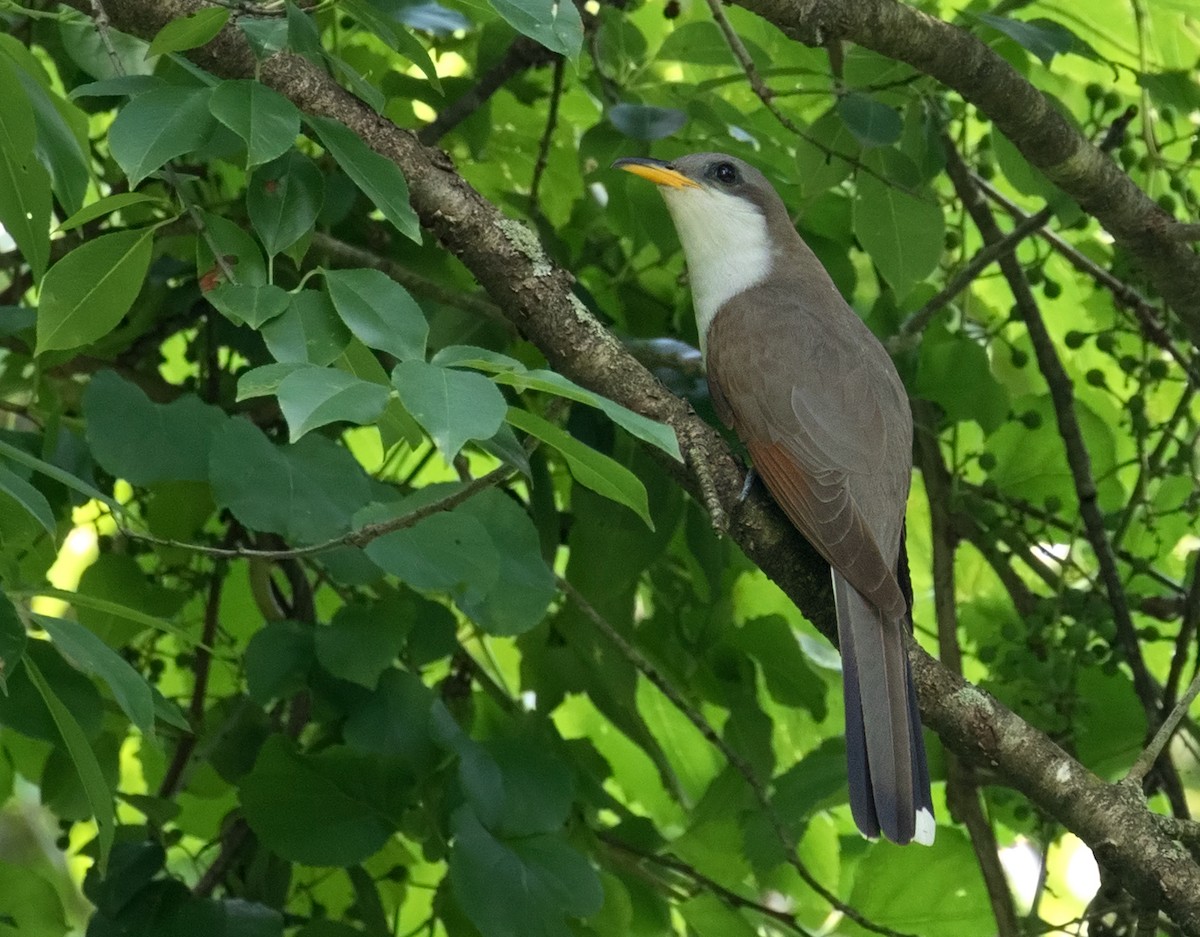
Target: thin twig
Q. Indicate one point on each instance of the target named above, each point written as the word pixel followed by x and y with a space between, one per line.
pixel 201 666
pixel 725 894
pixel 767 95
pixel 1062 396
pixel 910 331
pixel 355 538
pixel 1125 295
pixel 523 53
pixel 735 760
pixel 1145 761
pixel 543 157
pixel 1190 618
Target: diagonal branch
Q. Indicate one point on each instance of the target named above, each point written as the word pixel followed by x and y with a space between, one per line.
pixel 536 296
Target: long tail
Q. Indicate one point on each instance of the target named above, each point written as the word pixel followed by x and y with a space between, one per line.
pixel 885 752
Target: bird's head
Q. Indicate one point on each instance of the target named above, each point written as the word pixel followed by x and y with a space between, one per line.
pixel 730 220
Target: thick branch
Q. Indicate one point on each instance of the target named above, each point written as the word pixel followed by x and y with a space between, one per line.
pixel 509 263
pixel 1021 112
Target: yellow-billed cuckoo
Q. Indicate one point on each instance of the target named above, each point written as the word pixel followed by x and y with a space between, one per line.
pixel 821 410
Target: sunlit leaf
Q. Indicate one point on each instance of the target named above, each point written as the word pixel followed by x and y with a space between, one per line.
pixel 85 294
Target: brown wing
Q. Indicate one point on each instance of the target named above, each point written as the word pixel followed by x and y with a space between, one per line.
pixel 824 418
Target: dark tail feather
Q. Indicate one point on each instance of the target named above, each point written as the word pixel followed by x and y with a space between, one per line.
pixel 885 752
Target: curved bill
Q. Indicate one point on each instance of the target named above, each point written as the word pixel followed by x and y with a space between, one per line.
pixel 656 171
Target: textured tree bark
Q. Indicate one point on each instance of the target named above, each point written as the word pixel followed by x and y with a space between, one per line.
pixel 508 261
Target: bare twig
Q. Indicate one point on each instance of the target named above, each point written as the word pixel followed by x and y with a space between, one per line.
pixel 725 894
pixel 735 760
pixel 1062 396
pixel 1145 761
pixel 523 53
pixel 355 538
pixel 202 663
pixel 1125 295
pixel 539 167
pixel 910 330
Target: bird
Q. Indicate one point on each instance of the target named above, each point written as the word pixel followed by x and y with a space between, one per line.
pixel 817 402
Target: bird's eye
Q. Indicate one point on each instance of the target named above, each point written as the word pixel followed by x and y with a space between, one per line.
pixel 725 173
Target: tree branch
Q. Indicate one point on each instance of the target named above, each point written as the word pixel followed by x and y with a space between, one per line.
pixel 536 295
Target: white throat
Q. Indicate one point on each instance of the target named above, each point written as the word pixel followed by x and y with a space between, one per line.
pixel 726 245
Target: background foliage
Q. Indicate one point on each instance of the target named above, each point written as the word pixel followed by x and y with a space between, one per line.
pixel 329 609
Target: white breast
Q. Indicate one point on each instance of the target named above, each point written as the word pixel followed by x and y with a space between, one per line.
pixel 726 245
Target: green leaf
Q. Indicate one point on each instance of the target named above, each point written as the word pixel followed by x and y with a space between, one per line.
pixel 452 406
pixel 1177 88
pixel 644 122
pixel 308 331
pixel 12 640
pixel 85 294
pixel 902 233
pixel 517 786
pixel 358 800
pixel 379 311
pixel 509 371
pixel 267 121
pixel 379 179
pixel 770 642
pixel 19 455
pixel 29 498
pixel 91 655
pixel 708 916
pixel 359 644
pixel 1045 38
pixel 265 380
pixel 826 155
pixel 266 34
pixel 99 796
pixel 448 552
pixel 906 889
pixel 954 372
pixel 117 86
pixel 395 36
pixel 395 719
pixel 106 206
pixel 236 245
pixel 522 592
pixel 158 126
pixel 143 442
pixel 62 130
pixel 283 199
pixel 244 304
pixel 307 491
pixel 872 122
pixel 116 610
pixel 189 32
pixel 396 426
pixel 39 912
pixel 278 660
pixel 556 25
pixel 528 885
pixel 312 397
pixel 590 468
pixel 24 182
